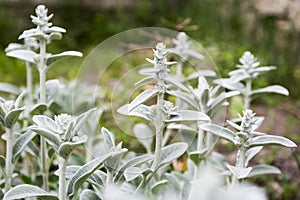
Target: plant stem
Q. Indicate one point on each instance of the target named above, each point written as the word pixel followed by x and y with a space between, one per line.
pixel 29 98
pixel 159 125
pixel 42 72
pixel 62 178
pixel 8 160
pixel 247 96
pixel 241 158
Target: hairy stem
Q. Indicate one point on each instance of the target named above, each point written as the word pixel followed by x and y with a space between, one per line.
pixel 247 96
pixel 240 163
pixel 159 125
pixel 42 71
pixel 8 159
pixel 62 178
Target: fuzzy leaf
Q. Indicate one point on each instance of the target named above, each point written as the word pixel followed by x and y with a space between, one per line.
pixel 21 143
pixel 141 98
pixel 185 97
pixel 176 84
pixel 26 55
pixel 182 127
pixel 52 138
pixel 131 163
pixel 205 73
pixel 12 117
pixel 54 36
pixel 45 122
pixel 144 135
pixel 55 29
pixel 38 109
pixel 145 80
pixel 196 156
pixel 271 140
pixel 189 115
pixel 52 86
pixel 263 169
pixel 171 152
pixel 89 195
pixel 251 153
pixel 84 173
pixel 158 186
pixel 273 89
pixel 140 111
pixel 109 138
pixel 28 191
pixel 9 88
pixel 264 69
pixel 239 173
pixel 132 173
pixel 66 148
pixel 228 84
pixel 53 58
pixel 219 131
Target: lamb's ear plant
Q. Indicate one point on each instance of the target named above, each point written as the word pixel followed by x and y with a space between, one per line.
pixel 249 143
pixel 44 33
pixel 9 114
pixel 162 113
pixel 242 78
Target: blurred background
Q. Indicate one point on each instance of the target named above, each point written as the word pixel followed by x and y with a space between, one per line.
pixel 226 28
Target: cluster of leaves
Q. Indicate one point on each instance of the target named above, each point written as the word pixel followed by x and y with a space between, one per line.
pixel 115 172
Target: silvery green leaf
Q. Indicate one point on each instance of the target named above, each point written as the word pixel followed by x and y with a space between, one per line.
pixel 258 122
pixel 45 122
pixel 109 138
pixel 32 33
pixel 228 84
pixel 140 111
pixel 219 131
pixel 221 98
pixel 87 194
pixel 26 55
pixel 189 115
pixel 84 173
pixel 239 173
pixel 66 148
pixel 158 186
pixel 52 138
pixel 148 71
pixel 12 117
pixel 54 36
pixel 9 88
pixel 205 73
pixel 171 152
pixel 182 127
pixel 113 162
pixel 141 98
pixel 234 125
pixel 144 135
pixel 28 191
pixel 264 69
pixel 132 173
pixel 145 80
pixel 21 143
pixel 183 96
pixel 70 171
pixel 19 99
pixel 54 57
pixel 132 162
pixel 55 29
pixel 52 86
pixel 196 156
pixel 263 169
pixel 80 120
pixel 240 77
pixel 38 109
pixel 251 153
pixel 176 84
pixel 273 89
pixel 271 140
pixel 14 46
